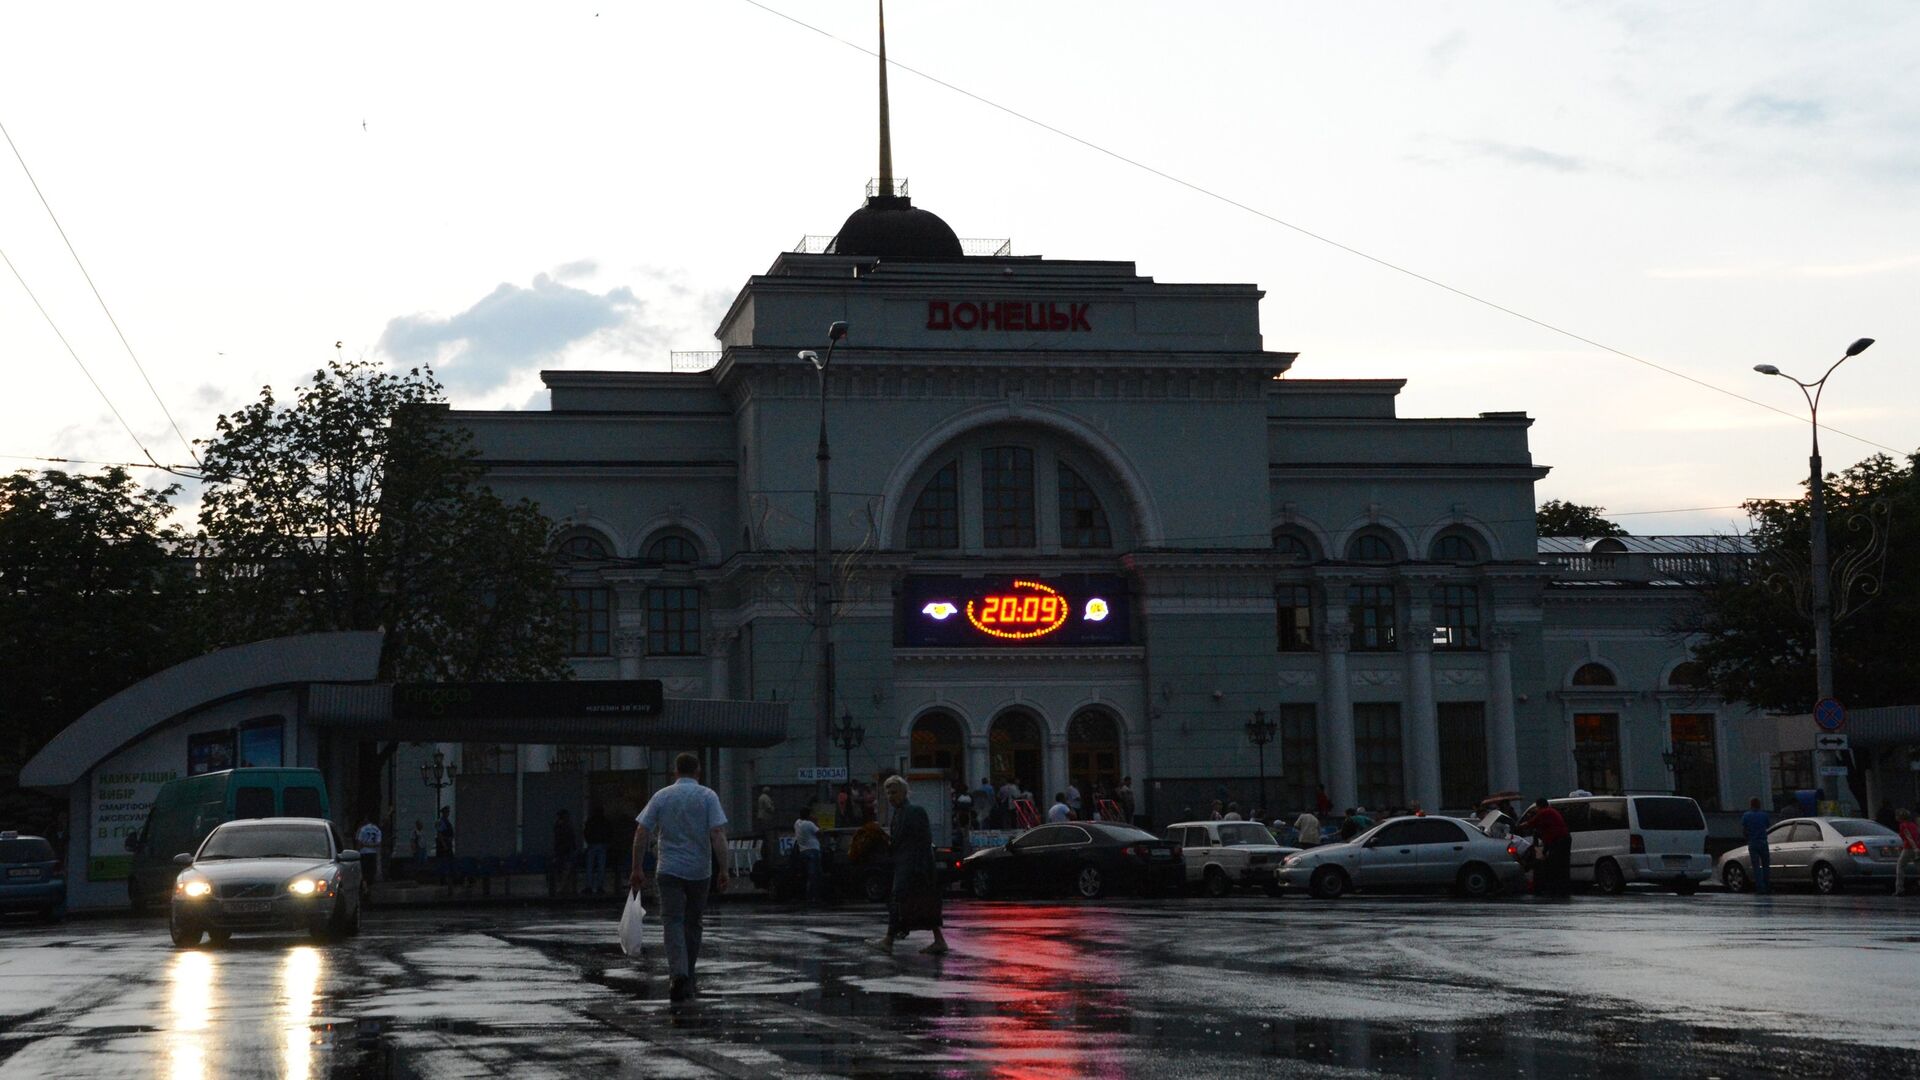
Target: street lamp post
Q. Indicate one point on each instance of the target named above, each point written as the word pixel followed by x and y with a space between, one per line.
pixel 823 567
pixel 847 736
pixel 439 776
pixel 1260 732
pixel 1822 599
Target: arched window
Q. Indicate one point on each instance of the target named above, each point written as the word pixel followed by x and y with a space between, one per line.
pixel 581 547
pixel 1083 521
pixel 937 743
pixel 1006 497
pixel 1014 751
pixel 1689 675
pixel 1292 546
pixel 1093 754
pixel 1455 547
pixel 673 548
pixel 935 522
pixel 1594 675
pixel 1370 547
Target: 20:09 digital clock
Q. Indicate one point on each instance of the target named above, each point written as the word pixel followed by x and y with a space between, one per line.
pixel 1068 609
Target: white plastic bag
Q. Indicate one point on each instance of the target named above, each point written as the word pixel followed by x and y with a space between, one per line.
pixel 633 929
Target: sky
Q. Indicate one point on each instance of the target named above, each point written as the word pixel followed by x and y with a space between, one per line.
pixel 499 189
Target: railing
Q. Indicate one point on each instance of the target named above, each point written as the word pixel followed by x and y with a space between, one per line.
pixel 693 361
pixel 899 187
pixel 816 244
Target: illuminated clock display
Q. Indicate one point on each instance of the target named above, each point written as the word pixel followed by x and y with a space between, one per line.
pixel 1068 609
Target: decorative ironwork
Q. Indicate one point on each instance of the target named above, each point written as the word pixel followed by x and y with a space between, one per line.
pixel 1856 573
pixel 694 361
pixel 817 244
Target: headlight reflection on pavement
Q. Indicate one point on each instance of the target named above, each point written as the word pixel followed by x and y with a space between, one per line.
pixel 189 1011
pixel 299 984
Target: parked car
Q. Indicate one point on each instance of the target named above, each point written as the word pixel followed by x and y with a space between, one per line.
pixel 267 874
pixel 1223 855
pixel 1621 839
pixel 1828 853
pixel 31 877
pixel 784 877
pixel 1087 859
pixel 1406 853
pixel 185 810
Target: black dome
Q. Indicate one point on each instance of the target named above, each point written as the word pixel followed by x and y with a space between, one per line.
pixel 890 227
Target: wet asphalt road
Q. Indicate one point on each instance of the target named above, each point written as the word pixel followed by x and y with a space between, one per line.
pixel 1647 985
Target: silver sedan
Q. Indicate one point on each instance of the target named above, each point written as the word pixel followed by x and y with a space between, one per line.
pixel 1828 853
pixel 1406 853
pixel 266 874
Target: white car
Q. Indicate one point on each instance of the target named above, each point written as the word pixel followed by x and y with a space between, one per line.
pixel 1406 853
pixel 1221 855
pixel 1621 839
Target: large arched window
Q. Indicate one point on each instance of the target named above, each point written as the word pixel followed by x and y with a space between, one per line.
pixel 1093 754
pixel 1689 675
pixel 935 522
pixel 1006 498
pixel 1371 546
pixel 1594 675
pixel 1455 546
pixel 673 548
pixel 1083 521
pixel 581 547
pixel 1292 546
pixel 937 743
pixel 1014 750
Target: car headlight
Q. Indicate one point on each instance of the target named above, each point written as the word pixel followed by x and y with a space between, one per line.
pixel 309 887
pixel 195 889
pixel 1290 860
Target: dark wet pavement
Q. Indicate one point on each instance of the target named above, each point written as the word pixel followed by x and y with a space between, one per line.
pixel 1642 986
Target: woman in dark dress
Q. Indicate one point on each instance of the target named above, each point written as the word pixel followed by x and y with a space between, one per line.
pixel 915 903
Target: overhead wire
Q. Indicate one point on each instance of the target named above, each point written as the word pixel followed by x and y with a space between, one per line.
pixel 1304 231
pixel 177 470
pixel 137 365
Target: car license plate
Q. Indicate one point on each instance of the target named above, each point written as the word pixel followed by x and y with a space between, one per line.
pixel 1676 860
pixel 248 907
pixel 1888 853
pixel 1162 853
pixel 23 871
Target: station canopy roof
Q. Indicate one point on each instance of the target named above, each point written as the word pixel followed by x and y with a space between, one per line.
pixel 616 712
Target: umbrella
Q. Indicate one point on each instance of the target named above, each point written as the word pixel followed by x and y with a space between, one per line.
pixel 1500 796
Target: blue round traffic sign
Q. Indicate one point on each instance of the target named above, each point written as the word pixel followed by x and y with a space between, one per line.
pixel 1829 714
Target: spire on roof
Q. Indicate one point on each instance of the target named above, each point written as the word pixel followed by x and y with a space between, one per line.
pixel 886 135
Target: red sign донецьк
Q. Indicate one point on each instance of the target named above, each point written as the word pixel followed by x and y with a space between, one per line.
pixel 1008 315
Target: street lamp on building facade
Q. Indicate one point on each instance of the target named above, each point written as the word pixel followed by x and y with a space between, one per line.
pixel 823 566
pixel 1260 732
pixel 1821 585
pixel 847 736
pixel 439 776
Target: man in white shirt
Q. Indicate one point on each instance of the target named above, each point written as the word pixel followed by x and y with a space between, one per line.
pixel 1309 828
pixel 1073 799
pixel 692 829
pixel 368 841
pixel 806 848
pixel 1059 811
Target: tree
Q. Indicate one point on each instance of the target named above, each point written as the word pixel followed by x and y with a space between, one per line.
pixel 359 507
pixel 95 594
pixel 1753 633
pixel 1557 517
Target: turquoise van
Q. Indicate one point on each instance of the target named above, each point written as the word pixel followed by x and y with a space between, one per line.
pixel 186 810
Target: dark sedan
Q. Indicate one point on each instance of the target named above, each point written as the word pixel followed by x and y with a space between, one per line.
pixel 1081 858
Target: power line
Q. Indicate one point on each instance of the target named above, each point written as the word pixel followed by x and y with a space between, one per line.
pixel 177 470
pixel 1306 232
pixel 96 295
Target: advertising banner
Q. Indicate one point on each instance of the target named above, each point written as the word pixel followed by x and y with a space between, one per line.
pixel 121 799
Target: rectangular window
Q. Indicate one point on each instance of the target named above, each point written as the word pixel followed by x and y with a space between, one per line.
pixel 261 743
pixel 581 759
pixel 1006 497
pixel 1596 751
pixel 1373 613
pixel 592 614
pixel 935 523
pixel 1294 611
pixel 488 758
pixel 1792 771
pixel 673 621
pixel 1381 774
pixel 1696 763
pixel 1463 753
pixel 1456 617
pixel 1299 757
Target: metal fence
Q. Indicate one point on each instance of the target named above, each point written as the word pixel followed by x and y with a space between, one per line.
pixel 815 244
pixel 693 361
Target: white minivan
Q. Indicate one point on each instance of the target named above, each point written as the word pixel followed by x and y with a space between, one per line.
pixel 1620 839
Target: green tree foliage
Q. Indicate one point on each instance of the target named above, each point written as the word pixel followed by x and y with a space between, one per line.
pixel 1557 517
pixel 1754 638
pixel 94 595
pixel 359 507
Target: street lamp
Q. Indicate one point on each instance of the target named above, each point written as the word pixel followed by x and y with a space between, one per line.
pixel 823 566
pixel 439 776
pixel 1817 504
pixel 847 736
pixel 1260 732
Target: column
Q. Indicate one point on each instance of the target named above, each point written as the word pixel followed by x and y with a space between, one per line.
pixel 1503 751
pixel 1421 737
pixel 1056 778
pixel 1336 723
pixel 978 764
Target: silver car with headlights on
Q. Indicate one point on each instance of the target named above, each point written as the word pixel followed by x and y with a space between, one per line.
pixel 1406 853
pixel 266 874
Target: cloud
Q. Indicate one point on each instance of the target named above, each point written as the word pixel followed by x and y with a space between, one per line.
pixel 574 271
pixel 1532 156
pixel 1442 54
pixel 1776 269
pixel 1785 112
pixel 512 329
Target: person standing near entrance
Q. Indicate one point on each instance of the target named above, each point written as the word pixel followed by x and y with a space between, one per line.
pixel 1755 823
pixel 806 848
pixel 915 902
pixel 692 830
pixel 1909 849
pixel 598 833
pixel 368 841
pixel 1125 798
pixel 1549 829
pixel 1059 811
pixel 443 845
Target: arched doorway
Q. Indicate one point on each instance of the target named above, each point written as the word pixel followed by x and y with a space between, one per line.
pixel 1015 751
pixel 1093 753
pixel 938 744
